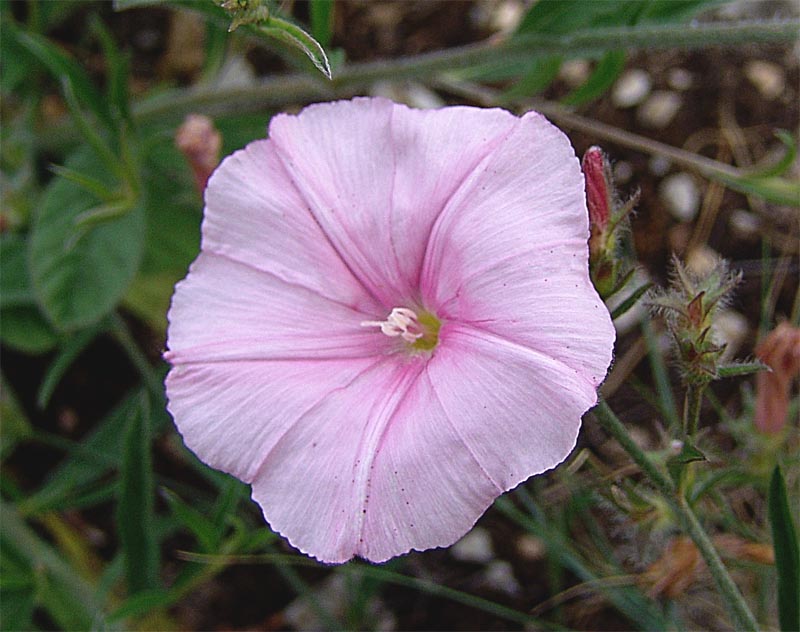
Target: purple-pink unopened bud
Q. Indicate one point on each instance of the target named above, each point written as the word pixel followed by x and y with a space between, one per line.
pixel 597 173
pixel 201 143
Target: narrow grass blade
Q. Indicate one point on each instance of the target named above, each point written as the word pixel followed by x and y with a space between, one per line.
pixel 135 507
pixel 787 557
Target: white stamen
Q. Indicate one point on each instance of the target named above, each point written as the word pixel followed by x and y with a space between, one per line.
pixel 401 322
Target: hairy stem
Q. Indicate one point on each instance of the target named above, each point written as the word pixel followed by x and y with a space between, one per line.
pixel 691 409
pixel 738 609
pixel 279 91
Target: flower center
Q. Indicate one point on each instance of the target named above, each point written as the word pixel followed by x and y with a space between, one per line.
pixel 419 331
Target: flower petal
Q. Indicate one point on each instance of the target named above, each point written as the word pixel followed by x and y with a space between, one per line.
pixel 232 413
pixel 254 215
pixel 484 416
pixel 509 252
pixel 314 484
pixel 226 310
pixel 376 175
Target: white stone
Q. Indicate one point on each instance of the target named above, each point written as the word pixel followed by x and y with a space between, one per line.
pixel 623 172
pixel 768 78
pixel 500 576
pixel 531 547
pixel 659 109
pixel 731 329
pixel 659 165
pixel 631 88
pixel 476 546
pixel 744 223
pixel 506 15
pixel 235 73
pixel 679 79
pixel 681 195
pixel 702 260
pixel 574 72
pixel 411 93
pixel 334 594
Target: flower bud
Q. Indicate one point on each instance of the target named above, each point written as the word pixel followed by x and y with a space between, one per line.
pixel 689 307
pixel 780 350
pixel 200 142
pixel 597 172
pixel 607 219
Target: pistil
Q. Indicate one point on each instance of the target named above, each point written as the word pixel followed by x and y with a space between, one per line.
pixel 419 331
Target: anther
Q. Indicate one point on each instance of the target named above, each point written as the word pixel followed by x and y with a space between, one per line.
pixel 401 322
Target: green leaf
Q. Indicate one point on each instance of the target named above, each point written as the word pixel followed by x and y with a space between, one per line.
pixel 541 73
pixel 16 426
pixel 195 522
pixel 689 454
pixel 117 70
pixel 60 589
pixel 135 509
pixel 787 554
pixel 23 326
pixel 561 16
pixel 15 287
pixel 63 68
pixel 78 281
pixel 293 35
pixel 81 467
pixel 629 302
pixel 322 20
pixel 605 74
pixel 26 329
pixel 787 160
pixel 69 351
pixel 740 369
pixel 772 188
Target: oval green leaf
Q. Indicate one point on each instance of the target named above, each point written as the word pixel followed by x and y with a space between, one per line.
pixel 79 274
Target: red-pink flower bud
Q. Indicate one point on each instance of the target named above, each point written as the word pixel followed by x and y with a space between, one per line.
pixel 780 350
pixel 597 173
pixel 201 143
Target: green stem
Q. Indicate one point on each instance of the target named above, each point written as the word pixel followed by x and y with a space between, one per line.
pixel 743 619
pixel 616 429
pixel 691 409
pixel 521 48
pixel 739 610
pixel 119 331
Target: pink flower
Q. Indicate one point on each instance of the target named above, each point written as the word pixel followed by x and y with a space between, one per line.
pixel 390 322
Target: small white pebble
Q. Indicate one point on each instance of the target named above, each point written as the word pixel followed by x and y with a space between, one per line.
pixel 506 15
pixel 679 79
pixel 235 73
pixel 681 195
pixel 476 546
pixel 631 88
pixel 659 109
pixel 623 172
pixel 421 97
pixel 531 548
pixel 500 576
pixel 574 72
pixel 730 328
pixel 768 78
pixel 659 165
pixel 702 259
pixel 744 224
